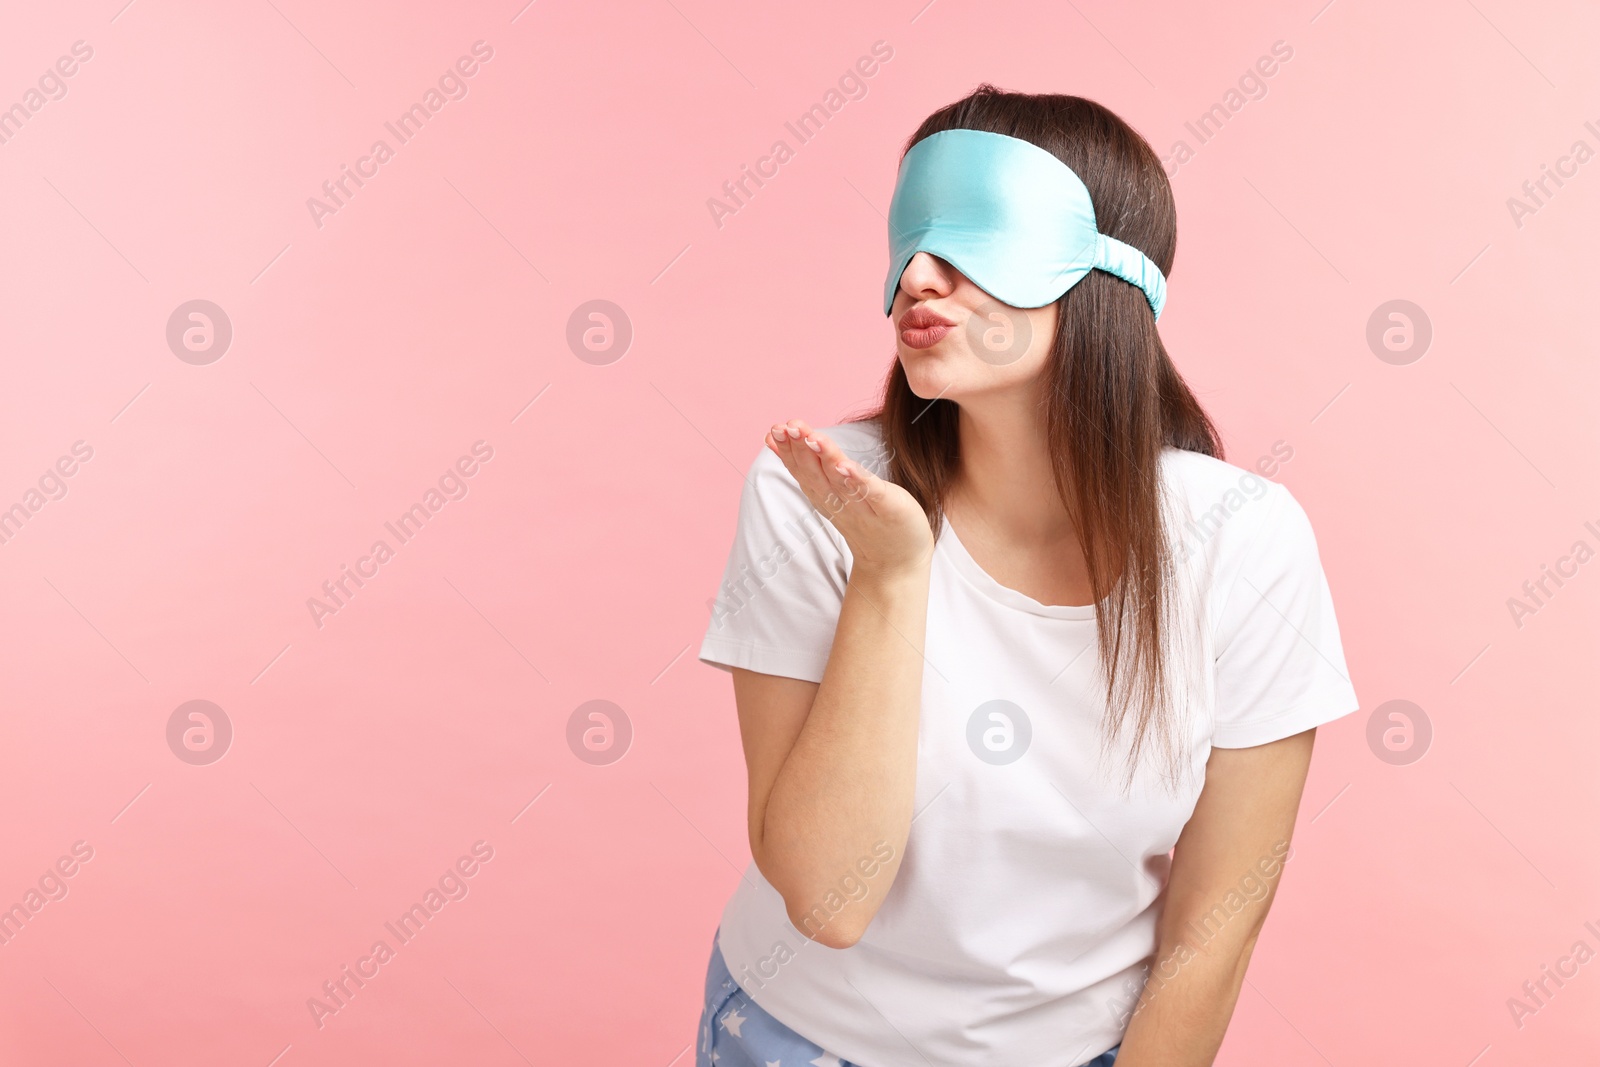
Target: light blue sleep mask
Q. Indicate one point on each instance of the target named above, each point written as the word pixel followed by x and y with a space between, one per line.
pixel 1007 214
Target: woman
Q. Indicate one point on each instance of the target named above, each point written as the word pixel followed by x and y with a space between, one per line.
pixel 1027 675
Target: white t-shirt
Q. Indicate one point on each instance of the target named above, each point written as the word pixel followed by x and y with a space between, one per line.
pixel 1027 900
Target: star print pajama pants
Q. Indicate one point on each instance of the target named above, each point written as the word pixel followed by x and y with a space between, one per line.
pixel 735 1032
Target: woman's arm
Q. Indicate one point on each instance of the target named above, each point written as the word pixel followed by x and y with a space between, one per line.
pixel 1225 871
pixel 832 765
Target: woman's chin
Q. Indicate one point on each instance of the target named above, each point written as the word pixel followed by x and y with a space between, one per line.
pixel 929 386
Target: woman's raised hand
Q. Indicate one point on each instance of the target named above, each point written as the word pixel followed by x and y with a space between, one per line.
pixel 882 523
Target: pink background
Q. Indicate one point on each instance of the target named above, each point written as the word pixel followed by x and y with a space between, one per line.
pixel 372 351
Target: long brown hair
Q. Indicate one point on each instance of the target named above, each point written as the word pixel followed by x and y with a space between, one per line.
pixel 1114 401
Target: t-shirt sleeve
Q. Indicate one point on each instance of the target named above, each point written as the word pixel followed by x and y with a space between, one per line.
pixel 783 586
pixel 1280 665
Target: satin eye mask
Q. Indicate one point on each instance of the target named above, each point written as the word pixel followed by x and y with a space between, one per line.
pixel 1010 216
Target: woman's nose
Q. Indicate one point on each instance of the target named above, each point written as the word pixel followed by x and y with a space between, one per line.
pixel 928 276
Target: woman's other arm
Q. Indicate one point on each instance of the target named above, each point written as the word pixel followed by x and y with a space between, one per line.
pixel 1231 850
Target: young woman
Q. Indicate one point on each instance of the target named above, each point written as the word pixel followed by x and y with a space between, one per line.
pixel 1027 675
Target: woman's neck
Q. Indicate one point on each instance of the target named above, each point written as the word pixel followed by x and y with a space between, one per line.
pixel 1006 480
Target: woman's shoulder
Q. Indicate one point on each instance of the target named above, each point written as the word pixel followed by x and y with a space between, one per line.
pixel 1221 506
pixel 1196 471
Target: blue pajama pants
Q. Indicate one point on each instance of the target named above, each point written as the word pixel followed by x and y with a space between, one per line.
pixel 736 1032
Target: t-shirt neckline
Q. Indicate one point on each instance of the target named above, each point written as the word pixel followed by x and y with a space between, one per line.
pixel 984 583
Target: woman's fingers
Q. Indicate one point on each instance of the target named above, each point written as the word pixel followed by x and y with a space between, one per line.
pixel 886 525
pixel 778 440
pixel 800 460
pixel 847 478
pixel 805 451
pixel 815 461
